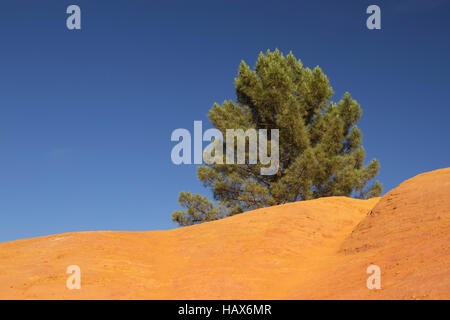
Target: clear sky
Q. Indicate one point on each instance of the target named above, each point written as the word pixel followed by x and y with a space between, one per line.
pixel 86 116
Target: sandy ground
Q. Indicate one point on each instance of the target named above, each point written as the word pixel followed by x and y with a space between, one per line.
pixel 317 249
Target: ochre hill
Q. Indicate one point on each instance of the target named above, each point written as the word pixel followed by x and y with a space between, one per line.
pixel 318 249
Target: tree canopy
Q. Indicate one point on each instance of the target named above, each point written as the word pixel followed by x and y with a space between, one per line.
pixel 320 145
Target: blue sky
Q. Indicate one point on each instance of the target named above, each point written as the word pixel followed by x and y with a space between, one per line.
pixel 86 116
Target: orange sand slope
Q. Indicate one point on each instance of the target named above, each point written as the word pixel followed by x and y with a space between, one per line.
pixel 317 249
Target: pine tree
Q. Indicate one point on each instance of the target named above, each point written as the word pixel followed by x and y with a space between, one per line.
pixel 320 151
